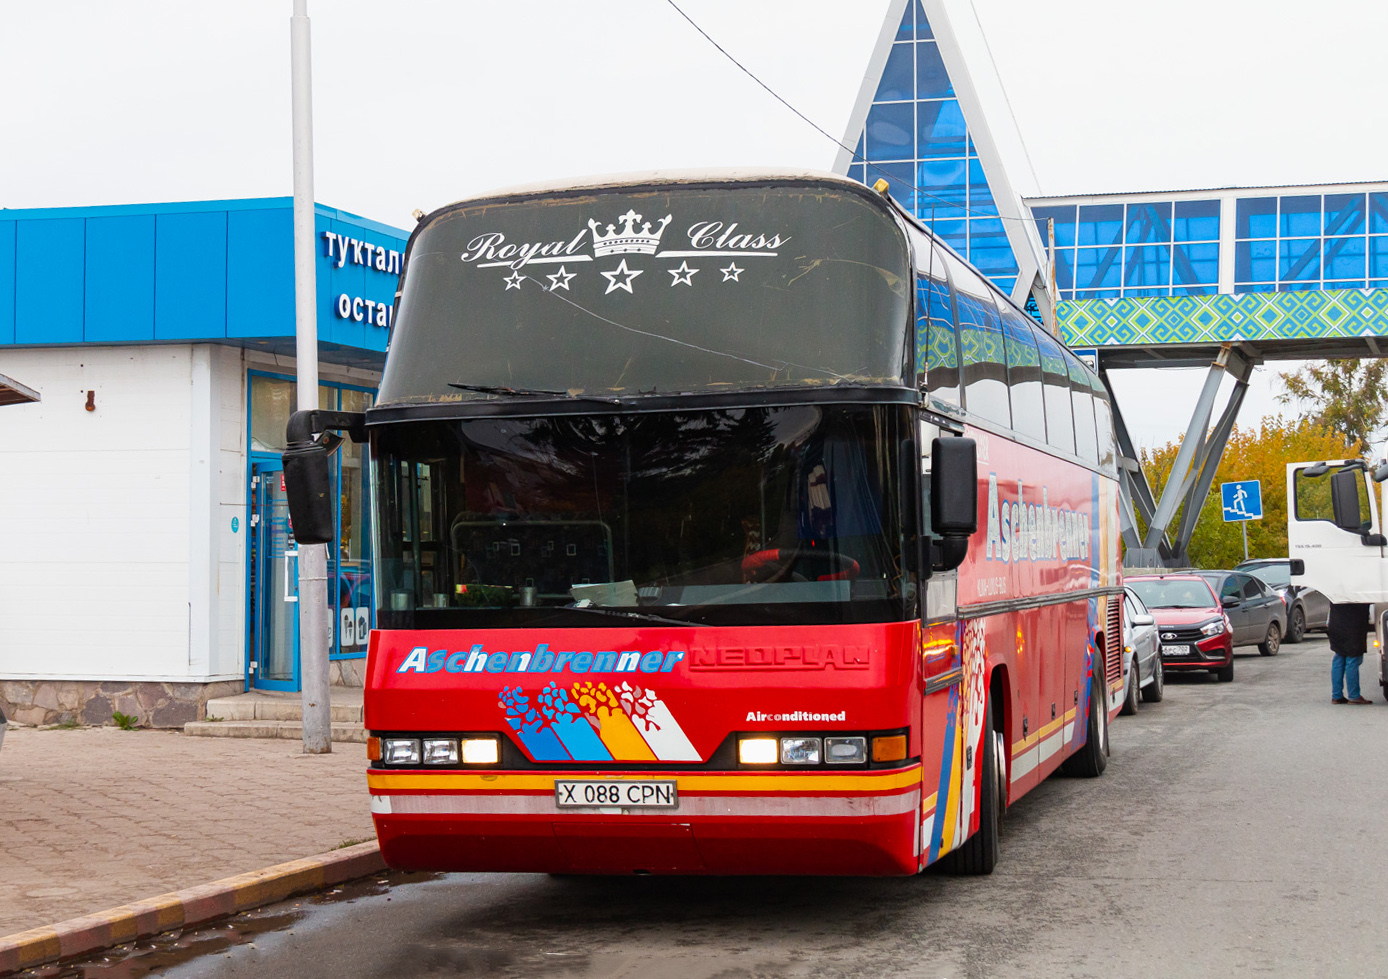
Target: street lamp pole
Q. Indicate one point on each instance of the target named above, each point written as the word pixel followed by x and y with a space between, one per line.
pixel 313 558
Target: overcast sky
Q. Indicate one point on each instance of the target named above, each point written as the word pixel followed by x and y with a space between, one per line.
pixel 420 102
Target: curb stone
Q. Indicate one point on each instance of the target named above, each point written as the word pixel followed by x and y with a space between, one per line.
pixel 181 909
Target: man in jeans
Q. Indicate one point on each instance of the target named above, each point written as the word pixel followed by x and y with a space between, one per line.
pixel 1348 629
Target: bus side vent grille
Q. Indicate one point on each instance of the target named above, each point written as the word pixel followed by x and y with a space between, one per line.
pixel 1113 640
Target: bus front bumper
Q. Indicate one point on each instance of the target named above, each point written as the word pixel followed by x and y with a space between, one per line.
pixel 861 823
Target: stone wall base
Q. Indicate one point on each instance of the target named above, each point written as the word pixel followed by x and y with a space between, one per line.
pixel 347 673
pixel 155 704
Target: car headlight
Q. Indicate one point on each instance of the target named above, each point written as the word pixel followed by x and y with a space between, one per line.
pixel 1212 628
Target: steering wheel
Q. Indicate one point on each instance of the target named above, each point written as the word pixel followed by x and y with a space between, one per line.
pixel 776 564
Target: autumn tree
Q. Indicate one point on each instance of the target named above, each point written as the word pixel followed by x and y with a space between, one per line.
pixel 1347 397
pixel 1260 453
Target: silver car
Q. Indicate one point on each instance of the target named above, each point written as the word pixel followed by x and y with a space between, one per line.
pixel 1142 669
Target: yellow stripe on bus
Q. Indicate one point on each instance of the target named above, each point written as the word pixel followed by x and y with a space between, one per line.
pixel 711 782
pixel 1020 746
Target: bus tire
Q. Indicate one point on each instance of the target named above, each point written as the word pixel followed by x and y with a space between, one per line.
pixel 1091 760
pixel 979 854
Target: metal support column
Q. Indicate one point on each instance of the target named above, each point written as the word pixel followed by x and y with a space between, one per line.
pixel 1192 474
pixel 1208 458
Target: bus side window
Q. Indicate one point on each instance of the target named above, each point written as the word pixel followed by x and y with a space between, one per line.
pixel 936 349
pixel 981 343
pixel 1055 383
pixel 1081 396
pixel 1023 374
pixel 1103 423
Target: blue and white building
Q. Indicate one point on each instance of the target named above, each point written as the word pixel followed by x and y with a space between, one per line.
pixel 145 559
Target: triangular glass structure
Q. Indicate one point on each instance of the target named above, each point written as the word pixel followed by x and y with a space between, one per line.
pixel 916 137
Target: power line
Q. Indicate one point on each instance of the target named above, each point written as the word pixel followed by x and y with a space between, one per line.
pixel 853 154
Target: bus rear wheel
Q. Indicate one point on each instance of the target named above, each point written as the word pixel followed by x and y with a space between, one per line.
pixel 1091 760
pixel 979 854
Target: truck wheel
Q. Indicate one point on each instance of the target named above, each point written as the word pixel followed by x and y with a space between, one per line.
pixel 1091 760
pixel 979 854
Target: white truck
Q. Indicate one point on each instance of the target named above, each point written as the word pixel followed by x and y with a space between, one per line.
pixel 1335 538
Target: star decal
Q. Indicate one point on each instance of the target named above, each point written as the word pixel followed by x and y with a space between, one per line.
pixel 623 273
pixel 682 275
pixel 514 280
pixel 732 272
pixel 561 279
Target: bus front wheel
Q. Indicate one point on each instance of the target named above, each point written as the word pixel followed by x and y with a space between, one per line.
pixel 979 854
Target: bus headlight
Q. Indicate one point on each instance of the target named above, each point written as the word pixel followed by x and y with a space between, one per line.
pixel 400 751
pixel 481 751
pixel 800 751
pixel 757 751
pixel 440 751
pixel 845 751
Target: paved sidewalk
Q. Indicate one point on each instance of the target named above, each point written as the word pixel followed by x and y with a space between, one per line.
pixel 96 817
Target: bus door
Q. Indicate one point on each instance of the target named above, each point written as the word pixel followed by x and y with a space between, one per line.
pixel 274 632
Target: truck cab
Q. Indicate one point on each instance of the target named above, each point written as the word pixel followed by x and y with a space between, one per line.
pixel 1335 537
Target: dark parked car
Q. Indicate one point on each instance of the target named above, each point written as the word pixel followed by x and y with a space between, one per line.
pixel 1307 609
pixel 1195 632
pixel 1256 612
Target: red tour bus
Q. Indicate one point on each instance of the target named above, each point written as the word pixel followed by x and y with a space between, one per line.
pixel 724 524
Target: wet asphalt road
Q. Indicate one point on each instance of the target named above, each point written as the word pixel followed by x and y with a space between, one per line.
pixel 1239 830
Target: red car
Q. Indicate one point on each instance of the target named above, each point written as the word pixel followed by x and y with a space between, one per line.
pixel 1194 630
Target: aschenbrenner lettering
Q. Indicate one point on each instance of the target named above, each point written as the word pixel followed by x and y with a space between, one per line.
pixel 539 660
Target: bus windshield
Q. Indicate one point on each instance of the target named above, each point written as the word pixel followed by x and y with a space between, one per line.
pixel 678 290
pixel 742 515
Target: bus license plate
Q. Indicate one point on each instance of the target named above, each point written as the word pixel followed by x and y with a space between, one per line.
pixel 1175 650
pixel 608 793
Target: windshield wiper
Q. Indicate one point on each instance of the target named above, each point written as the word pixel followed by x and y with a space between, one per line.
pixel 636 616
pixel 532 393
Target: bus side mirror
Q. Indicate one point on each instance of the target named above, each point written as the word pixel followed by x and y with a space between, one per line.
pixel 1297 567
pixel 307 464
pixel 308 486
pixel 953 498
pixel 1344 500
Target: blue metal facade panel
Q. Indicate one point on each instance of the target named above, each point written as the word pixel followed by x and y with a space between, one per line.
pixel 119 279
pixel 49 293
pixel 7 260
pixel 260 273
pixel 191 275
pixel 214 270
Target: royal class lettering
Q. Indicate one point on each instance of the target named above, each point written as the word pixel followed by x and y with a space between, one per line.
pixel 715 234
pixel 539 660
pixel 825 656
pixel 1036 531
pixel 341 248
pixel 493 249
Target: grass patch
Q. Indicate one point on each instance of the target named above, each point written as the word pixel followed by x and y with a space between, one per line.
pixel 126 722
pixel 346 843
pixel 68 725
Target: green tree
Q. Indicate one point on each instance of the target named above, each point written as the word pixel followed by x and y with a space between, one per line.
pixel 1260 453
pixel 1347 397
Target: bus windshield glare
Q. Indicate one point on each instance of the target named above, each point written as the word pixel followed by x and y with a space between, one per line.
pixel 746 515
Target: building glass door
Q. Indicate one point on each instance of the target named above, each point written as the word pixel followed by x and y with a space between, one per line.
pixel 274 653
pixel 273 660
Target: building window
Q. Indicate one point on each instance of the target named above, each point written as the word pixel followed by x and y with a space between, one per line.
pixel 917 140
pixel 1310 241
